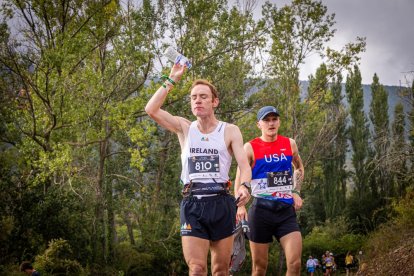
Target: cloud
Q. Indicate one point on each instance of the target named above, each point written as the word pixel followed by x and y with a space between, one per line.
pixel 388 26
pixel 389 29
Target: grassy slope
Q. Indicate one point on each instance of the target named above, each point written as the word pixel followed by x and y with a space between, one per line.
pixel 391 248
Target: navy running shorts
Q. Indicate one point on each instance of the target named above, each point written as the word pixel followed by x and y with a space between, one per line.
pixel 212 218
pixel 269 218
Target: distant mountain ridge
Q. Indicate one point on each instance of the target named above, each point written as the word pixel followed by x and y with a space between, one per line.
pixel 394 98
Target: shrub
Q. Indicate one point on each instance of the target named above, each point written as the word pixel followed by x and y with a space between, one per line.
pixel 385 238
pixel 57 260
pixel 132 262
pixel 10 270
pixel 333 236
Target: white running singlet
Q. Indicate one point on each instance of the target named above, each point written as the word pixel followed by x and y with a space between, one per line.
pixel 205 157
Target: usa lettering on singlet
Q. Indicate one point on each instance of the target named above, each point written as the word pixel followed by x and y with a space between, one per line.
pixel 205 157
pixel 272 169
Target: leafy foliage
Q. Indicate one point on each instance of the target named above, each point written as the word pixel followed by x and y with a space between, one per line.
pixel 358 132
pixel 132 262
pixel 58 259
pixel 384 239
pixel 380 172
pixel 334 236
pixel 90 185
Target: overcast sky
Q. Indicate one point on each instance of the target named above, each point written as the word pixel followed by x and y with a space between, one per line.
pixel 388 26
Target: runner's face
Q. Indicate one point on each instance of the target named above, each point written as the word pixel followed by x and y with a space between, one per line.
pixel 202 101
pixel 269 125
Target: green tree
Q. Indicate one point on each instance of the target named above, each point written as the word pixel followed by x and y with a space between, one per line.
pixel 71 83
pixel 335 235
pixel 221 43
pixel 398 154
pixel 358 131
pixel 364 200
pixel 380 174
pixel 335 154
pixel 325 154
pixel 38 62
pixel 296 31
pixel 411 130
pixel 316 126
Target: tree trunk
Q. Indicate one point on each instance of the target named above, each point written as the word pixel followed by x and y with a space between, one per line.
pixel 99 244
pixel 111 232
pixel 128 223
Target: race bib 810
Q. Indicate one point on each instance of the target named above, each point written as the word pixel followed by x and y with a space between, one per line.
pixel 207 166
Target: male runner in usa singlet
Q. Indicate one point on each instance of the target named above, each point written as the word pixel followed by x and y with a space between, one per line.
pixel 207 211
pixel 276 195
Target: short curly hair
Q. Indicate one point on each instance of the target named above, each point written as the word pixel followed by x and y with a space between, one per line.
pixel 25 265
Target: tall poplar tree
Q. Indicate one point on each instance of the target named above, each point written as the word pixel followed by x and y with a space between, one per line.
pixel 327 123
pixel 334 162
pixel 313 151
pixel 398 155
pixel 411 129
pixel 358 132
pixel 381 139
pixel 362 203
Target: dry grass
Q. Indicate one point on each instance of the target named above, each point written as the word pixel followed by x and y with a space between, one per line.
pixel 391 248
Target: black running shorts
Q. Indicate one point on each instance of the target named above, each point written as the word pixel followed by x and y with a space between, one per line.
pixel 270 218
pixel 211 218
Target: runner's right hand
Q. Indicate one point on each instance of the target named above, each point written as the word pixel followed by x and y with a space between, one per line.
pixel 241 214
pixel 177 72
pixel 243 195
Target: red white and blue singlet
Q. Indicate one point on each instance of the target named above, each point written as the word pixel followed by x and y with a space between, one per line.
pixel 272 169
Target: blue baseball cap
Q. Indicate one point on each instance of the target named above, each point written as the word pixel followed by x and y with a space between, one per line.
pixel 266 110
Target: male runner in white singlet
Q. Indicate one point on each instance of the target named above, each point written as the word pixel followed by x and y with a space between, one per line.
pixel 207 211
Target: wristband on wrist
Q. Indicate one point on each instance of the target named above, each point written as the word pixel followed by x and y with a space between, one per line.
pixel 246 184
pixel 165 77
pixel 171 81
pixel 295 192
pixel 165 84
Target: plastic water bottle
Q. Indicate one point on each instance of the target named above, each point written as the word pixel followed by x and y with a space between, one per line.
pixel 176 57
pixel 245 226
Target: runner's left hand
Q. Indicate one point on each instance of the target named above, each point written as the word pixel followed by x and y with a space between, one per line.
pixel 298 202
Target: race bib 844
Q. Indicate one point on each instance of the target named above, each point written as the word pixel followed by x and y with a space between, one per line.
pixel 279 181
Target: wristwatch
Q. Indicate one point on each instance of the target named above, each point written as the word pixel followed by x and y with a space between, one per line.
pixel 247 185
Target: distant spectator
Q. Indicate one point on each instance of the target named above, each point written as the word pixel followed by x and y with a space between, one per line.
pixel 349 262
pixel 330 264
pixel 361 264
pixel 323 264
pixel 27 268
pixel 310 266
